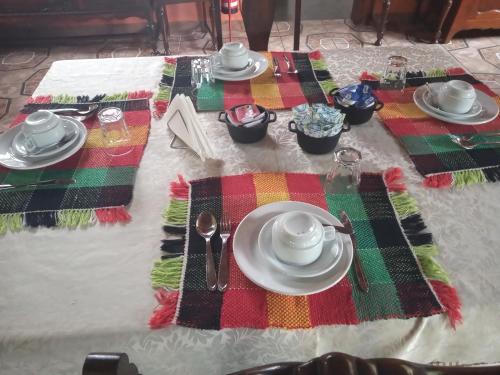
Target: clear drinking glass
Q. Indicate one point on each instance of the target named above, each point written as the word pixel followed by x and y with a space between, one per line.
pixel 201 72
pixel 115 131
pixel 345 175
pixel 395 73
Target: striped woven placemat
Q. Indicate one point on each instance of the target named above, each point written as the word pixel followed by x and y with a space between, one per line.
pixel 427 140
pixel 104 183
pixel 395 249
pixel 311 85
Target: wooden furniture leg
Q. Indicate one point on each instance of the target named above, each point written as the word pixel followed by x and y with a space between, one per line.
pixel 444 14
pixel 218 22
pixel 163 24
pixel 383 22
pixel 296 27
pixel 258 17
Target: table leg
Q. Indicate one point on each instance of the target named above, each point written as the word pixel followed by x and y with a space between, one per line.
pixel 218 22
pixel 383 22
pixel 163 24
pixel 444 14
pixel 152 30
pixel 296 27
pixel 258 17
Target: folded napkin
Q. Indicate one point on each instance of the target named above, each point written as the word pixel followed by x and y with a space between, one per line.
pixel 183 121
pixel 311 85
pixel 396 252
pixel 443 163
pixel 104 183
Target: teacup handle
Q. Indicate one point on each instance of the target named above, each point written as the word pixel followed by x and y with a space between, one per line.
pixel 330 233
pixel 29 145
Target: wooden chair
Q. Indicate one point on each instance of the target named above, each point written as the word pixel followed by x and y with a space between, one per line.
pixel 386 5
pixel 328 364
pixel 215 28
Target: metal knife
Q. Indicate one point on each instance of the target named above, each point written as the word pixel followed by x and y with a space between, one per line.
pixel 55 181
pixel 358 268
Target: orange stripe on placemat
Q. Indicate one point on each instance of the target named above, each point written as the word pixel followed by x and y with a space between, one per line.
pixel 270 187
pixel 264 93
pixel 288 84
pixel 400 110
pixel 288 311
pixel 138 136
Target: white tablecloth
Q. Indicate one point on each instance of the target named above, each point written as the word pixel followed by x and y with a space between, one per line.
pixel 65 293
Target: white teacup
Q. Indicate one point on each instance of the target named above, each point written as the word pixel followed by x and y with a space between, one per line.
pixel 456 97
pixel 42 129
pixel 298 237
pixel 234 56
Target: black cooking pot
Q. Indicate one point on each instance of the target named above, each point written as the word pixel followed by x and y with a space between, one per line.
pixel 355 115
pixel 314 145
pixel 249 135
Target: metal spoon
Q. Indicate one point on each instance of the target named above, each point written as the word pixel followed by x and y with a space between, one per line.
pixel 206 225
pixel 74 111
pixel 469 144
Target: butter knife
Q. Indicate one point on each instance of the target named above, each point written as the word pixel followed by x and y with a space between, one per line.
pixel 358 268
pixel 291 69
pixel 55 181
pixel 276 68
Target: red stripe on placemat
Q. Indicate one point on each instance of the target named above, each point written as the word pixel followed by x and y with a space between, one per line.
pixel 288 84
pixel 237 93
pixel 334 305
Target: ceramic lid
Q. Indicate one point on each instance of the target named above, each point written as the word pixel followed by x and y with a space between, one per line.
pixel 298 230
pixel 233 49
pixel 459 89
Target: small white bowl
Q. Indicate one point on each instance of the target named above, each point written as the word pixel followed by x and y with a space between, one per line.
pixel 234 56
pixel 456 97
pixel 42 129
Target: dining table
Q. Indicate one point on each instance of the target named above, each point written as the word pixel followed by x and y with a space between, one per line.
pixel 68 292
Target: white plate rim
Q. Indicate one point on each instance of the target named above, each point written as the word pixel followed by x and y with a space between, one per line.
pixel 295 287
pixel 9 135
pixel 338 242
pixel 449 114
pixel 257 57
pixel 486 101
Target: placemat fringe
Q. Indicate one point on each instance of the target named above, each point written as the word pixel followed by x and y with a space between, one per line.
pixel 67 218
pixel 422 244
pixel 69 99
pixel 165 311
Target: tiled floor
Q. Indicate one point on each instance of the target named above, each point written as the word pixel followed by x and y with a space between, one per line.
pixel 22 68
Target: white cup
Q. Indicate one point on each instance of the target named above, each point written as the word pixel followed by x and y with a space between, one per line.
pixel 456 97
pixel 234 56
pixel 298 237
pixel 42 129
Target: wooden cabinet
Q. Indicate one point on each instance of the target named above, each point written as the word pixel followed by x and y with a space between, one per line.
pixel 471 14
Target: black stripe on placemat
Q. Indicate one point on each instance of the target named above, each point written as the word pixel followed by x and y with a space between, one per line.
pixel 199 307
pixel 413 292
pixel 311 89
pixel 182 81
pixel 428 164
pixel 124 105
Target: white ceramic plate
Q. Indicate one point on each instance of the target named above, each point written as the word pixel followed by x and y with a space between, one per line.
pixel 71 129
pixel 9 159
pixel 489 112
pixel 329 257
pixel 252 263
pixel 474 111
pixel 258 65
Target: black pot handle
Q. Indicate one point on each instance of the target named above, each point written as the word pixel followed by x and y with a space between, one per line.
pixel 333 91
pixel 222 113
pixel 271 119
pixel 293 130
pixel 346 127
pixel 378 106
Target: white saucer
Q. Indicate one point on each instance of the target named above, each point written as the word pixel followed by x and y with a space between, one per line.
pixel 330 255
pixel 488 113
pixel 71 129
pixel 10 160
pixel 258 269
pixel 257 65
pixel 474 111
